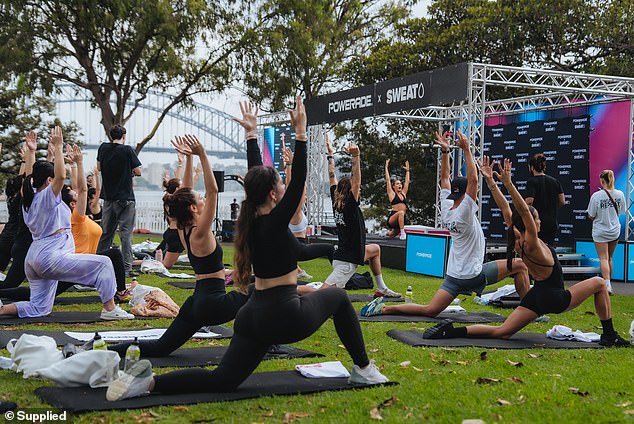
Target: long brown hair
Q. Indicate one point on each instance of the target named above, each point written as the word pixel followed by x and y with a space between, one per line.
pixel 518 223
pixel 258 183
pixel 177 206
pixel 341 193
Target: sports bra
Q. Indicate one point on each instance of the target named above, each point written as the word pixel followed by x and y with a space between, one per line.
pixel 206 264
pixel 396 200
pixel 296 228
pixel 556 277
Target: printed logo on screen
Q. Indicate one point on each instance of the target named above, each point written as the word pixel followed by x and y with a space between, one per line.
pixel 405 93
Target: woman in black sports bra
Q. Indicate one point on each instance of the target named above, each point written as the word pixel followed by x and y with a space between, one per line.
pixel 548 295
pixel 397 194
pixel 210 304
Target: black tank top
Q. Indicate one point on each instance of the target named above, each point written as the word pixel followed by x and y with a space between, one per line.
pixel 556 278
pixel 206 264
pixel 396 200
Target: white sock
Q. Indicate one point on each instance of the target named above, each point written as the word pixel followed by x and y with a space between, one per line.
pixel 380 284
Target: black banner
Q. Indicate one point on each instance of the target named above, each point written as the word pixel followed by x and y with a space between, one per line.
pixel 565 142
pixel 438 87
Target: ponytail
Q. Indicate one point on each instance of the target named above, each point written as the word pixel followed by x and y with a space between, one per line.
pixel 177 206
pixel 538 162
pixel 243 255
pixel 510 246
pixel 608 176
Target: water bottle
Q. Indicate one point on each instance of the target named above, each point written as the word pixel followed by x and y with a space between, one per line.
pixel 132 354
pixel 409 295
pixel 98 343
pixel 158 255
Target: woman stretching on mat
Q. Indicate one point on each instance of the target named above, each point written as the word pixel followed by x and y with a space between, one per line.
pixel 51 256
pixel 548 294
pixel 397 195
pixel 465 271
pixel 210 304
pixel 171 245
pixel 274 313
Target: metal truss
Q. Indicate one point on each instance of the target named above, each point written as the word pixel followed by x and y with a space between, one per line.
pixel 629 195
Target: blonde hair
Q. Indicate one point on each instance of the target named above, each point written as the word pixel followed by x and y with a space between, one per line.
pixel 607 175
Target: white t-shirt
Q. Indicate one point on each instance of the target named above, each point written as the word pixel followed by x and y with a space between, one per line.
pixel 606 226
pixel 467 239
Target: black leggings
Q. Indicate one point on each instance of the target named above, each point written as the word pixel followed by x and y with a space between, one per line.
pixel 209 305
pixel 272 316
pixel 309 252
pixel 16 293
pixel 16 274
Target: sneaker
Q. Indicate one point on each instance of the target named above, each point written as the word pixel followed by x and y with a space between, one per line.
pixel 609 286
pixel 367 375
pixel 375 307
pixel 613 340
pixel 133 383
pixel 402 235
pixel 123 297
pixel 131 274
pixel 542 318
pixel 115 314
pixel 80 288
pixel 387 293
pixel 439 331
pixel 304 274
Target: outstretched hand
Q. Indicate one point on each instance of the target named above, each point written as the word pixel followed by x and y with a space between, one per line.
pixel 31 140
pixel 298 116
pixel 249 119
pixel 486 168
pixel 328 145
pixel 57 137
pixel 387 163
pixel 505 172
pixel 462 141
pixel 287 156
pixel 442 141
pixel 181 146
pixel 353 150
pixel 406 166
pixel 195 146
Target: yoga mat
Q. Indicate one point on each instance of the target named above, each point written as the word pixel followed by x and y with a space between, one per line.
pixel 85 399
pixel 518 341
pixel 368 297
pixel 61 338
pixel 60 317
pixel 183 284
pixel 465 317
pixel 505 303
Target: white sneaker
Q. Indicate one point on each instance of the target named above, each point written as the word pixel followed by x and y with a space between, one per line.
pixel 133 383
pixel 367 375
pixel 305 275
pixel 116 313
pixel 402 236
pixel 80 288
pixel 608 284
pixel 387 292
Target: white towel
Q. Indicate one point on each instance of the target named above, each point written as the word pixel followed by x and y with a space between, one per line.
pixel 561 332
pixel 323 370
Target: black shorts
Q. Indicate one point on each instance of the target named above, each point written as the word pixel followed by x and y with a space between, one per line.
pixel 173 241
pixel 395 226
pixel 546 300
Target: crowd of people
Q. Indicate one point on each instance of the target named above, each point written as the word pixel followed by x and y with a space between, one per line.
pixel 60 234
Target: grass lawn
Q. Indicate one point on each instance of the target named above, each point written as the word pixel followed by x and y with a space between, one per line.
pixel 436 384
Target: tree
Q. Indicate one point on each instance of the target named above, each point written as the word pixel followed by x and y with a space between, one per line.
pixel 303 46
pixel 119 50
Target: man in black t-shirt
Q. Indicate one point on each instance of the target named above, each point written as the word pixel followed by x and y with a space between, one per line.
pixel 235 208
pixel 545 194
pixel 118 164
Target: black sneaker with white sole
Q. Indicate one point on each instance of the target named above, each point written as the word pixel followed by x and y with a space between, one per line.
pixel 439 331
pixel 613 340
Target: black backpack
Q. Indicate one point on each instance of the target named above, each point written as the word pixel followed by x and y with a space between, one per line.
pixel 360 281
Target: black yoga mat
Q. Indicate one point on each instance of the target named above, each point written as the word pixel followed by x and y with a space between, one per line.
pixel 84 399
pixel 59 317
pixel 465 317
pixel 368 297
pixel 518 341
pixel 183 284
pixel 505 303
pixel 61 338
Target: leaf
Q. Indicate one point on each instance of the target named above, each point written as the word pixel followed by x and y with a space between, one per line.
pixel 289 417
pixel 405 364
pixel 268 413
pixel 532 355
pixel 483 356
pixel 374 350
pixel 389 402
pixel 624 404
pixel 463 363
pixel 180 408
pixel 629 411
pixel 486 380
pixel 576 391
pixel 375 414
pixel 515 364
pixel 504 402
pixel 473 421
pixel 516 380
pixel 418 369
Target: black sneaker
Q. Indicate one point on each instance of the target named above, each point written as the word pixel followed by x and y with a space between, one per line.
pixel 439 331
pixel 613 340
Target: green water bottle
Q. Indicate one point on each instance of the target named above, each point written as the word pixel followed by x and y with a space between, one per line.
pixel 132 354
pixel 409 295
pixel 98 343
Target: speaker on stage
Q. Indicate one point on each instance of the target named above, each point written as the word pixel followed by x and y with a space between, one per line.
pixel 220 180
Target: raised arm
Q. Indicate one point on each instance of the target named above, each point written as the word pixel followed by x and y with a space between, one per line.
pixel 29 157
pixel 332 175
pixel 97 178
pixel 70 157
pixel 443 142
pixel 77 157
pixel 182 148
pixel 486 169
pixel 249 122
pixel 57 140
pixel 518 202
pixel 179 166
pixel 211 187
pixel 355 179
pixel 197 171
pixel 406 186
pixel 388 181
pixel 472 171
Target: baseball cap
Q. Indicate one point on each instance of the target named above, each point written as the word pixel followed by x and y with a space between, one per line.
pixel 458 188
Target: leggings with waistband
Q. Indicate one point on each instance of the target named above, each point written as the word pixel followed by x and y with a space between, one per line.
pixel 273 316
pixel 209 305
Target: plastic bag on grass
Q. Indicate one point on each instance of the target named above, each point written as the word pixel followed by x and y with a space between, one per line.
pixel 148 301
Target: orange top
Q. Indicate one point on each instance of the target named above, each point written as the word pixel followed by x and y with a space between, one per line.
pixel 86 233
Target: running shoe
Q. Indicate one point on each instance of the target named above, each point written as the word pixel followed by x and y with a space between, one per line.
pixel 613 340
pixel 439 331
pixel 367 375
pixel 304 274
pixel 609 286
pixel 402 235
pixel 375 307
pixel 386 292
pixel 133 383
pixel 122 297
pixel 542 318
pixel 115 314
